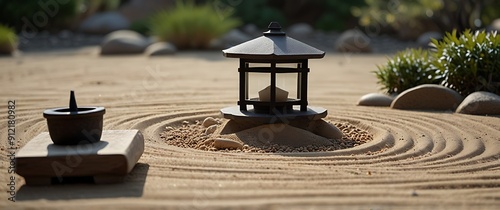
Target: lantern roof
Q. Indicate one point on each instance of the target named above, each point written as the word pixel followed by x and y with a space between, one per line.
pixel 274 44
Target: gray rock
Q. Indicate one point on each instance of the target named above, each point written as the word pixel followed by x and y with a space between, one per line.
pixel 232 38
pixel 123 42
pixel 105 22
pixel 252 30
pixel 353 40
pixel 428 97
pixel 65 34
pixel 480 103
pixel 375 99
pixel 425 39
pixel 152 39
pixel 494 26
pixel 300 30
pixel 160 48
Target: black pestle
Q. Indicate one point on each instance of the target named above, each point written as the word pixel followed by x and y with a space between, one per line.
pixel 72 102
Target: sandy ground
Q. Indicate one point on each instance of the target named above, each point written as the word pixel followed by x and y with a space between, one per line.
pixel 417 160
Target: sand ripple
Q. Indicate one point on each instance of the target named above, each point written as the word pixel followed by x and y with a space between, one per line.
pixel 414 158
pixel 411 151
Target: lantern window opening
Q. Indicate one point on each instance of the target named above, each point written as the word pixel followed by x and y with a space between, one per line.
pixel 283 80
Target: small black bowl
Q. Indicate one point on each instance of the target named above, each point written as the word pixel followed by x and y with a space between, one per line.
pixel 75 127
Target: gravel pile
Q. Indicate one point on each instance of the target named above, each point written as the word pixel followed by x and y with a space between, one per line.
pixel 194 135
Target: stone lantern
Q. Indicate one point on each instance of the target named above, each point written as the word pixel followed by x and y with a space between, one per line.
pixel 273 76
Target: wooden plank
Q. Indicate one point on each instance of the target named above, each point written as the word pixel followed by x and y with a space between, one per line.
pixel 114 156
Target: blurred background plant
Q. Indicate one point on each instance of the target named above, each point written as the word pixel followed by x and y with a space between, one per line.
pixel 18 13
pixel 50 15
pixel 8 40
pixel 260 12
pixel 337 14
pixel 89 7
pixel 409 19
pixel 470 62
pixel 325 14
pixel 191 26
pixel 407 69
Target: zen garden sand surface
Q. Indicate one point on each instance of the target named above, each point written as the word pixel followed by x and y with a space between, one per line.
pixel 398 159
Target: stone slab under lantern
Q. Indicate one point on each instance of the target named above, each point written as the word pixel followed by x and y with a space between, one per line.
pixel 41 162
pixel 234 113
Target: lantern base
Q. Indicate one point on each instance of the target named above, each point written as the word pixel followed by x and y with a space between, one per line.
pixel 254 116
pixel 262 109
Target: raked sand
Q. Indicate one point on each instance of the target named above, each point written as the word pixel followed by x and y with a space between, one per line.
pixel 416 160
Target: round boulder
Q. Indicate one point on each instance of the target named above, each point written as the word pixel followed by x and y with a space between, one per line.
pixel 353 40
pixel 137 10
pixel 427 97
pixel 105 22
pixel 232 38
pixel 160 48
pixel 494 26
pixel 480 103
pixel 375 99
pixel 123 42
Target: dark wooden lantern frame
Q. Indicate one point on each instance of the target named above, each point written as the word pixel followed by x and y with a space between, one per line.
pixel 273 48
pixel 302 71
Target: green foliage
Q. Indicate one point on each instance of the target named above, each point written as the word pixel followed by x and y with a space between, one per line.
pixel 93 6
pixel 140 26
pixel 395 13
pixel 260 13
pixel 323 14
pixel 426 15
pixel 41 14
pixel 191 26
pixel 7 36
pixel 407 69
pixel 336 14
pixel 470 62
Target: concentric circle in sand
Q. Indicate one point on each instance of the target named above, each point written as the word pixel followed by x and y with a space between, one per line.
pixel 425 159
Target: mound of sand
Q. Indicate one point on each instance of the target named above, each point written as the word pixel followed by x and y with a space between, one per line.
pixel 278 134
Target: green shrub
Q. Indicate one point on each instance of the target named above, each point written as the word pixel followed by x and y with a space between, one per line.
pixel 260 13
pixel 470 62
pixel 407 69
pixel 398 15
pixel 140 26
pixel 336 15
pixel 191 26
pixel 93 6
pixel 41 14
pixel 8 40
pixel 418 16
